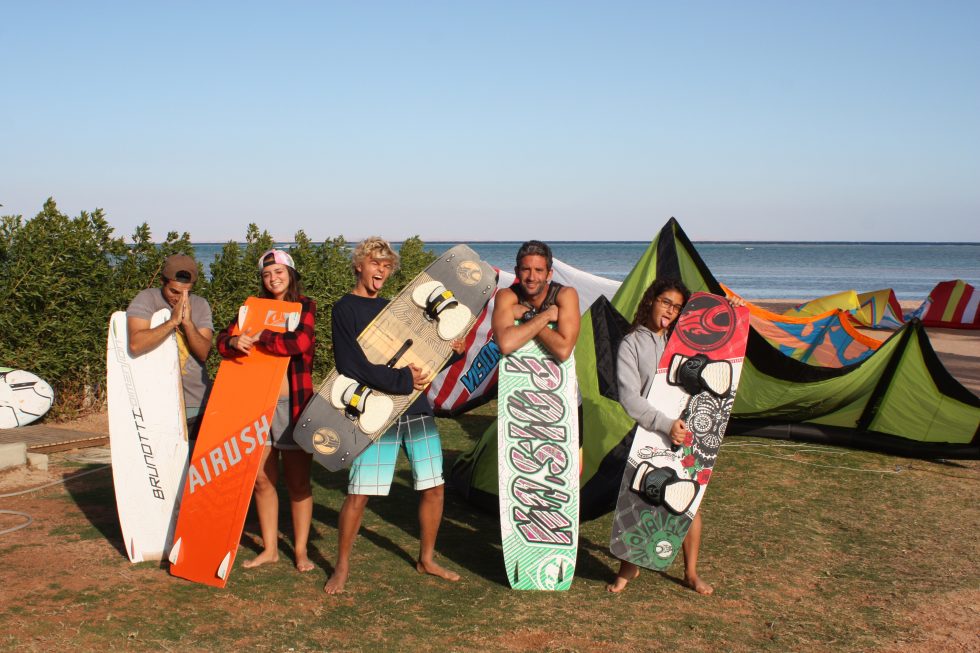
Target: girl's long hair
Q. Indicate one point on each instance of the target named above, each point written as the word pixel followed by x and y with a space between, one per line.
pixel 644 312
pixel 293 293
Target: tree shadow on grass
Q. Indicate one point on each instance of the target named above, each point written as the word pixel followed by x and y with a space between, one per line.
pixel 252 535
pixel 593 560
pixel 399 509
pixel 471 540
pixel 470 537
pixel 94 496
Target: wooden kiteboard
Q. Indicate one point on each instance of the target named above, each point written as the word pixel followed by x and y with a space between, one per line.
pixel 697 377
pixel 417 327
pixel 147 438
pixel 538 468
pixel 233 435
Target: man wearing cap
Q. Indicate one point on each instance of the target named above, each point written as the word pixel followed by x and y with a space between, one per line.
pixel 190 319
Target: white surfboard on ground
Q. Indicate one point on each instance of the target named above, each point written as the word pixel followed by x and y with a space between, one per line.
pixel 148 439
pixel 24 397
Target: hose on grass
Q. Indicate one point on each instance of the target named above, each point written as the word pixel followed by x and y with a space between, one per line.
pixel 28 517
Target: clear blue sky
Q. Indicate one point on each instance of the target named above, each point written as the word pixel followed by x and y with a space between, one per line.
pixel 498 120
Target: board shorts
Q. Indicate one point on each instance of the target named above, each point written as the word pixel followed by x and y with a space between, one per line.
pixel 373 470
pixel 282 430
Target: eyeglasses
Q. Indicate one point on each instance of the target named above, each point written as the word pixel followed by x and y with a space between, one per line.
pixel 667 304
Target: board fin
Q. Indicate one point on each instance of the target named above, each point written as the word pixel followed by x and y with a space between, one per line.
pixel 561 571
pixel 175 551
pixel 517 572
pixel 132 550
pixel 292 321
pixel 242 314
pixel 223 567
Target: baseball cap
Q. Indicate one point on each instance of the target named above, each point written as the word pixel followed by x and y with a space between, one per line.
pixel 274 256
pixel 180 267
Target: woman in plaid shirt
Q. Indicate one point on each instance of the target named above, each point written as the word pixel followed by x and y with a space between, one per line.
pixel 281 281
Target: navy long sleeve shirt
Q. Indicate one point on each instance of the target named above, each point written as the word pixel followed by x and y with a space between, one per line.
pixel 351 314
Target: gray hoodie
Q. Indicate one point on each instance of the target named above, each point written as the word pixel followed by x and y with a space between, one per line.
pixel 636 365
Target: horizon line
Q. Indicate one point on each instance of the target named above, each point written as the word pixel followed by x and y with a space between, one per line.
pixel 642 242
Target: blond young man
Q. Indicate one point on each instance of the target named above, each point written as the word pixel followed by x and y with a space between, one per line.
pixel 371 474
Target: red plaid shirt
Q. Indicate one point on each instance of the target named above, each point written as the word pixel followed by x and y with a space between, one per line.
pixel 299 345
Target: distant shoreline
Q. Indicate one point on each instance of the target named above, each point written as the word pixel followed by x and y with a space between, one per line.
pixel 918 243
pixel 753 268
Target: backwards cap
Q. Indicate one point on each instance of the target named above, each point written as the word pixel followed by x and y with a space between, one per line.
pixel 274 256
pixel 180 267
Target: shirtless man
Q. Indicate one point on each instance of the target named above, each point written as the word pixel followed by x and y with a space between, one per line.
pixel 525 310
pixel 373 470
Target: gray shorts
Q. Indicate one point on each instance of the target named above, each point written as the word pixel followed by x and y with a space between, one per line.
pixel 282 430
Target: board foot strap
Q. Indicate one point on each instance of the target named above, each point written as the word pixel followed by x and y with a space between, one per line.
pixel 660 486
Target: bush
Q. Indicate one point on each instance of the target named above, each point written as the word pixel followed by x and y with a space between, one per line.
pixel 59 282
pixel 62 278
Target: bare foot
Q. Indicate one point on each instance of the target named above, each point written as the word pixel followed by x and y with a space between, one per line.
pixel 303 564
pixel 261 559
pixel 695 583
pixel 436 570
pixel 335 584
pixel 627 572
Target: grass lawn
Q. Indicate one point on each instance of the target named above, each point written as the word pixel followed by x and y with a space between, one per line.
pixel 809 548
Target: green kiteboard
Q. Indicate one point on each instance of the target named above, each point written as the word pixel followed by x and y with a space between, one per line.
pixel 538 468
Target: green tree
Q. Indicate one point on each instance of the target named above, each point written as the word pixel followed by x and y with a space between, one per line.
pixel 414 258
pixel 61 279
pixel 141 265
pixel 58 288
pixel 234 278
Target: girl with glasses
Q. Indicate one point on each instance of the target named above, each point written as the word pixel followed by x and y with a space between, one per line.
pixel 639 354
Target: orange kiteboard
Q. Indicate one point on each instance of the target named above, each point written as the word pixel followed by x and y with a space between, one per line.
pixel 225 462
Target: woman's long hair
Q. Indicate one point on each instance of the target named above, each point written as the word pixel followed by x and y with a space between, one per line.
pixel 294 291
pixel 644 312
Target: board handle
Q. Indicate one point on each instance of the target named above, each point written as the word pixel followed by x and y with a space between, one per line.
pixel 401 352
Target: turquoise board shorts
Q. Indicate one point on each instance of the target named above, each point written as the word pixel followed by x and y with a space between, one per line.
pixel 373 470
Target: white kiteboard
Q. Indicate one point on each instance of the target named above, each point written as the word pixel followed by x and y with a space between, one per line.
pixel 24 397
pixel 148 439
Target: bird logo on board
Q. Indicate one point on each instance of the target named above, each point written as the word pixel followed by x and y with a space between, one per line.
pixel 469 272
pixel 707 323
pixel 326 441
pixel 286 320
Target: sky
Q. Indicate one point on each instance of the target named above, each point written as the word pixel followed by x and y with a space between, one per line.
pixel 467 121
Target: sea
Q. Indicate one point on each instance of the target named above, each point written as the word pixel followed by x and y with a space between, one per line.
pixel 761 270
